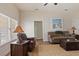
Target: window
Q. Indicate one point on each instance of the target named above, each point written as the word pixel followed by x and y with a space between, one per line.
pixel 7 25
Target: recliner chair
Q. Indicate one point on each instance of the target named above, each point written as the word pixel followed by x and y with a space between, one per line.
pixel 31 43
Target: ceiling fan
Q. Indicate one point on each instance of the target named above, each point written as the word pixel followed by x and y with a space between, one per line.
pixel 47 4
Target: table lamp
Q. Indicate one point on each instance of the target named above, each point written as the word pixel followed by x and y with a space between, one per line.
pixel 18 30
pixel 73 28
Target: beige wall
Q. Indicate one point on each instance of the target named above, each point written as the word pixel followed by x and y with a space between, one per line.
pixel 28 18
pixel 9 10
pixel 75 22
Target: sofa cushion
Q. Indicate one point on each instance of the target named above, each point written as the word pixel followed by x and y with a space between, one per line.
pixel 59 32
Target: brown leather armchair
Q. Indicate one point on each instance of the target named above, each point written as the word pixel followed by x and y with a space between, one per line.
pixel 31 43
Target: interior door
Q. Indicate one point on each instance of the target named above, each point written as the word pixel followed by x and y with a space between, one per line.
pixel 38 29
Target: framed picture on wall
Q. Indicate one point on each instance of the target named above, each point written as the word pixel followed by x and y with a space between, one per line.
pixel 57 24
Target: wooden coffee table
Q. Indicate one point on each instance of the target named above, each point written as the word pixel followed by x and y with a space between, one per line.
pixel 70 44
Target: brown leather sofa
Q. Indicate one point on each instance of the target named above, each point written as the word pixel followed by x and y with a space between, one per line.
pixel 31 43
pixel 55 37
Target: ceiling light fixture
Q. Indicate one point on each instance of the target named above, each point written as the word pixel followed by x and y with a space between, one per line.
pixel 66 9
pixel 36 9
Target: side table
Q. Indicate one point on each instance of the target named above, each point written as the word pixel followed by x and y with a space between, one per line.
pixel 19 49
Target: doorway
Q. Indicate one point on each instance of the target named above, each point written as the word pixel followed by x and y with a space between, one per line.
pixel 38 29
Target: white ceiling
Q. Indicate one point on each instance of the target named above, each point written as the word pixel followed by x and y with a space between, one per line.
pixel 38 7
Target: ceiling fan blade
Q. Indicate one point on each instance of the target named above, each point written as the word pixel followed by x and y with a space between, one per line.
pixel 45 4
pixel 55 3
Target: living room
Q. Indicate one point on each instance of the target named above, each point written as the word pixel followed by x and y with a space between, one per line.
pixel 36 21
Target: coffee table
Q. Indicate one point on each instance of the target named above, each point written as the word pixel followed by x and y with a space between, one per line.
pixel 69 44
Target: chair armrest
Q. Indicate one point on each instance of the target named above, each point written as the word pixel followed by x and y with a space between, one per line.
pixel 31 38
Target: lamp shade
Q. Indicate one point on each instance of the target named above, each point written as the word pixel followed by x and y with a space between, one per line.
pixel 73 28
pixel 18 29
